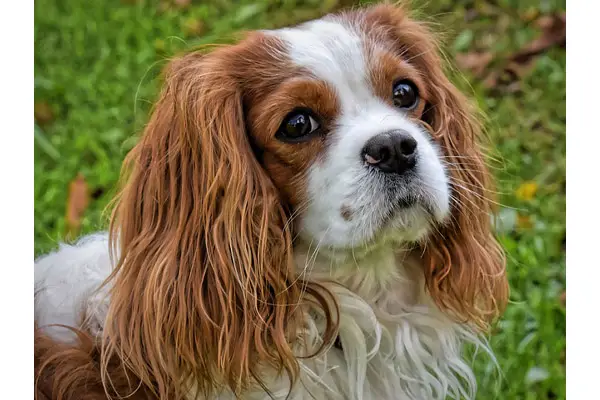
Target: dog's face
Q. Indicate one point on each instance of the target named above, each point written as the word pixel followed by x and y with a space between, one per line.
pixel 344 132
pixel 343 137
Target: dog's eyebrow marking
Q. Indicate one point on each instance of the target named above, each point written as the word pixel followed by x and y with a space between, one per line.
pixel 333 51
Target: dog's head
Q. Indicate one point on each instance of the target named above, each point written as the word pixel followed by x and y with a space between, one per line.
pixel 343 131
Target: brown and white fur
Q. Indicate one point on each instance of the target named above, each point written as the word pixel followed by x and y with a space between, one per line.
pixel 253 257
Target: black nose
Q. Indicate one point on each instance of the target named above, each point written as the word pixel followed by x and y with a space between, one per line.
pixel 393 152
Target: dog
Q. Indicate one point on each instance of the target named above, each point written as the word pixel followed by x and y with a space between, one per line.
pixel 306 215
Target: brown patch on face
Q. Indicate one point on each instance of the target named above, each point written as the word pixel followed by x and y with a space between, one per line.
pixel 273 87
pixel 346 212
pixel 288 162
pixel 396 48
pixel 386 68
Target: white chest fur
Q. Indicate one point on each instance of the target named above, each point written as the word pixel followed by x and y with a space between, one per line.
pixel 396 343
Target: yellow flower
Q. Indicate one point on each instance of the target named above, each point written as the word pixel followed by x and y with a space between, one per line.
pixel 526 191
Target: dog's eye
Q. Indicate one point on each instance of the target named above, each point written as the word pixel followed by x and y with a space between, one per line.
pixel 405 94
pixel 298 126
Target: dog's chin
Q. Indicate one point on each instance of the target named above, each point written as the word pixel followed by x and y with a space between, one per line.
pixel 409 222
pixel 410 218
pixel 407 225
pixel 396 215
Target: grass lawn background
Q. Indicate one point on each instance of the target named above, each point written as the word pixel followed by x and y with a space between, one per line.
pixel 95 69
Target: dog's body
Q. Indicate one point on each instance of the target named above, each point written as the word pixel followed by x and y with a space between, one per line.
pixel 393 339
pixel 345 254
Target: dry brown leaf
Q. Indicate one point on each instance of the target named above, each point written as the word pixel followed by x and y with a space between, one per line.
pixel 77 203
pixel 563 298
pixel 42 112
pixel 474 62
pixel 517 65
pixel 554 33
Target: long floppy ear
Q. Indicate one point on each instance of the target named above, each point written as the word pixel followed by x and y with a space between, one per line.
pixel 204 288
pixel 464 264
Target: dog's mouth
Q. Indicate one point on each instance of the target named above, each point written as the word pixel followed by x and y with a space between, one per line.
pixel 411 211
pixel 414 195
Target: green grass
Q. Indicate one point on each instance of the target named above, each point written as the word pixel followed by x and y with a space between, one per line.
pixel 95 64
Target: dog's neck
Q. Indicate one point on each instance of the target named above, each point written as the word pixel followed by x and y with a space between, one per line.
pixel 374 274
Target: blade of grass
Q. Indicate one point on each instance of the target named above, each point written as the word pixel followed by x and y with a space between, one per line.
pixel 44 143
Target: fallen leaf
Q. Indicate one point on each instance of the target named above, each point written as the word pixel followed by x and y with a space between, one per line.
pixel 77 203
pixel 42 112
pixel 517 65
pixel 526 191
pixel 474 62
pixel 554 33
pixel 563 298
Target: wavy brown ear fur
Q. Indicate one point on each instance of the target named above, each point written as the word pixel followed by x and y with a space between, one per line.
pixel 464 264
pixel 71 371
pixel 204 290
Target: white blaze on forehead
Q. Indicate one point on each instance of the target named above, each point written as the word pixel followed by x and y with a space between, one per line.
pixel 332 51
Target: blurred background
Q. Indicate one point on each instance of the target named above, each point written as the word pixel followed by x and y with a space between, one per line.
pixel 96 64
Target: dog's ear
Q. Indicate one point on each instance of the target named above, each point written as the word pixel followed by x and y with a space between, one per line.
pixel 464 264
pixel 204 290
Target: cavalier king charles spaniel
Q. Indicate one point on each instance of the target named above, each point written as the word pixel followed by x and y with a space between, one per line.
pixel 306 215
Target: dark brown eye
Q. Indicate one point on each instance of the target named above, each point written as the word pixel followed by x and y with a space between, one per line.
pixel 297 126
pixel 405 95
